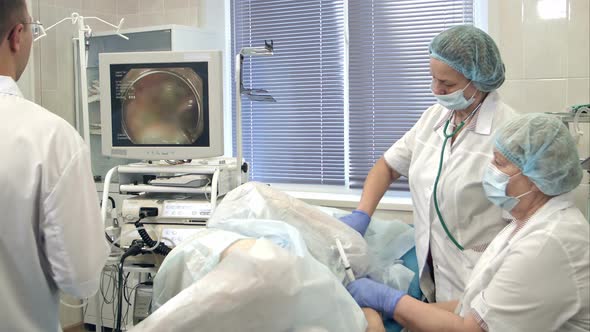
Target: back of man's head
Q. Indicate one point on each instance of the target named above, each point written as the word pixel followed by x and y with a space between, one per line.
pixel 11 13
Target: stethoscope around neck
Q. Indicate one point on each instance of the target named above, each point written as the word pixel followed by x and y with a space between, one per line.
pixel 442 154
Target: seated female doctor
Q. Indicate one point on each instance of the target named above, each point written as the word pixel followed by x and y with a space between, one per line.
pixel 535 274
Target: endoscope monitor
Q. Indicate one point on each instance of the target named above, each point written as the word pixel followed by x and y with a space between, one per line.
pixel 161 105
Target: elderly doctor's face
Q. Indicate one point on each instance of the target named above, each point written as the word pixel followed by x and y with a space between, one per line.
pixel 447 80
pixel 518 183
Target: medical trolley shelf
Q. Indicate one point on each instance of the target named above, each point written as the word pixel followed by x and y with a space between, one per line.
pixel 136 188
pixel 222 178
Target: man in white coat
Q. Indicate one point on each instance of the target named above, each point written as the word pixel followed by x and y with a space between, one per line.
pixel 52 236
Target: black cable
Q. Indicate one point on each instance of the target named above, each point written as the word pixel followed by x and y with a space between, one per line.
pixel 126 296
pixel 119 295
pixel 134 289
pixel 134 250
pixel 104 292
pixel 162 248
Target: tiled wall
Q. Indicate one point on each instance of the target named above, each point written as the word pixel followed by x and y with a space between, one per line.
pixel 157 12
pixel 53 55
pixel 547 59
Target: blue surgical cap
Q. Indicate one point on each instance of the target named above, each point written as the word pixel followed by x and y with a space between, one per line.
pixel 541 146
pixel 471 52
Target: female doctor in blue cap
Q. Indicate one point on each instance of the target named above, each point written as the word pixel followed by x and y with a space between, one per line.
pixel 442 156
pixel 535 275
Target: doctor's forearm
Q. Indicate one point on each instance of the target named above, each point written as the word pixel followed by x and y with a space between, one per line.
pixel 376 184
pixel 423 317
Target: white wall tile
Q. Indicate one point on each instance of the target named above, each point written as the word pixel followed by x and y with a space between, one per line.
pixel 151 6
pixel 49 77
pixel 46 14
pixel 62 12
pixel 147 19
pixel 69 3
pixel 51 100
pixel 177 16
pixel 545 44
pixel 511 40
pixel 108 6
pixel 94 24
pixel 102 6
pixel 547 95
pixel 65 72
pixel 156 12
pixel 176 4
pixel 578 91
pixel 578 37
pixel 47 49
pixel 131 21
pixel 45 3
pixel 194 16
pixel 513 94
pixel 99 26
pixel 494 20
pixel 125 7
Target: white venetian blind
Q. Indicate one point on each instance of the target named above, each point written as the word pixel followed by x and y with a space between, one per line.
pixel 389 71
pixel 298 139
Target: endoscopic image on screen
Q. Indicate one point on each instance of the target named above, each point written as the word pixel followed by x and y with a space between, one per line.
pixel 160 104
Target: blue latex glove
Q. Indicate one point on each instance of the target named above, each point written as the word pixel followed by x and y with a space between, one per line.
pixel 358 220
pixel 371 294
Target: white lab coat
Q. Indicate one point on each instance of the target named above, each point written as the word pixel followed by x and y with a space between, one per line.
pixel 537 280
pixel 470 216
pixel 52 237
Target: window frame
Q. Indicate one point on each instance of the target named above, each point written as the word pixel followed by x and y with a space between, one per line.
pixel 481 14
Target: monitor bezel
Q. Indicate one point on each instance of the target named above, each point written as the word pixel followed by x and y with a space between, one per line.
pixel 215 78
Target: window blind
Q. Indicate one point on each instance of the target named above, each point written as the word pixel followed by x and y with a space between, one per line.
pixel 298 139
pixel 389 81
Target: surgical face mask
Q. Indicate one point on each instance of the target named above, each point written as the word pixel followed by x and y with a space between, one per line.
pixel 495 183
pixel 455 100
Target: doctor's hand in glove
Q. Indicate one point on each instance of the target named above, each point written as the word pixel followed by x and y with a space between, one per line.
pixel 371 294
pixel 358 220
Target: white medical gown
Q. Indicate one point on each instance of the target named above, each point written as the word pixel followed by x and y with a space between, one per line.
pixel 52 237
pixel 471 218
pixel 537 279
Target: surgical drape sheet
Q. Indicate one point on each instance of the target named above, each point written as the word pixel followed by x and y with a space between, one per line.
pixel 186 295
pixel 264 289
pixel 319 230
pixel 190 261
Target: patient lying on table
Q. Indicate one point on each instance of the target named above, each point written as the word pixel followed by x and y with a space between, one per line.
pixel 252 270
